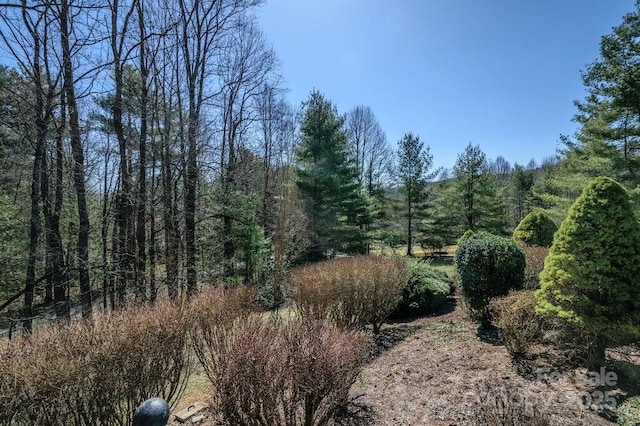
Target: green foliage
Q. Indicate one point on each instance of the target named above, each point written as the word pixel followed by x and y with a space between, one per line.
pixel 434 243
pixel 536 229
pixel 413 173
pixel 393 238
pixel 611 105
pixel 443 220
pixel 478 204
pixel 467 234
pixel 488 266
pixel 252 248
pixel 13 244
pixel 520 192
pixel 562 183
pixel 590 277
pixel 326 178
pixel 629 412
pixel 426 290
pixel 607 141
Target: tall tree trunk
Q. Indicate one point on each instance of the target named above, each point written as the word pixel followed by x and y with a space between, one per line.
pixel 78 163
pixel 107 282
pixel 34 236
pixel 172 248
pixel 409 220
pixel 141 217
pixel 57 268
pixel 191 179
pixel 124 210
pixel 153 287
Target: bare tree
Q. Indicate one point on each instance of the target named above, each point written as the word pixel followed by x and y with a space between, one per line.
pixel 500 167
pixel 368 143
pixel 201 26
pixel 272 111
pixel 29 38
pixel 244 67
pixel 64 13
pixel 141 204
pixel 124 252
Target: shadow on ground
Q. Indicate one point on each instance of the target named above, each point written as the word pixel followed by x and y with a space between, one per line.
pixel 398 329
pixel 489 334
pixel 354 414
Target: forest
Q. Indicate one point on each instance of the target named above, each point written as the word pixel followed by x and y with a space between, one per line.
pixel 149 152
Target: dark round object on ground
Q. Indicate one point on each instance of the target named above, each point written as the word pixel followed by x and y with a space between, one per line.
pixel 152 412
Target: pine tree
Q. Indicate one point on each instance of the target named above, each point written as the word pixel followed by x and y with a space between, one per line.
pixel 475 188
pixel 326 178
pixel 413 173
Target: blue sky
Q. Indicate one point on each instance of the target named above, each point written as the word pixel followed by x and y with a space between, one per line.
pixel 502 74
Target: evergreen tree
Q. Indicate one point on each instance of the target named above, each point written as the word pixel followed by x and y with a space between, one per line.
pixel 519 189
pixel 475 189
pixel 413 173
pixel 536 229
pixel 609 115
pixel 326 178
pixel 608 141
pixel 590 277
pixel 442 222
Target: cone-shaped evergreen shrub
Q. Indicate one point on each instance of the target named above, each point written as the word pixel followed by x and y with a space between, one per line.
pixel 591 277
pixel 536 229
pixel 488 266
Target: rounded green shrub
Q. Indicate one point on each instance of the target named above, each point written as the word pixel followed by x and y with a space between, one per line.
pixel 629 412
pixel 536 229
pixel 426 290
pixel 488 266
pixel 590 277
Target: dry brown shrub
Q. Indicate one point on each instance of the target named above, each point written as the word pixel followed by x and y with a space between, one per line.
pixel 266 371
pixel 352 291
pixel 534 258
pixel 515 316
pixel 95 373
pixel 503 404
pixel 213 311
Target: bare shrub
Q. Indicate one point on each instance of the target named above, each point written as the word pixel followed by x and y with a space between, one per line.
pixel 147 353
pixel 95 373
pixel 515 316
pixel 275 372
pixel 352 292
pixel 213 311
pixel 574 344
pixel 502 404
pixel 534 260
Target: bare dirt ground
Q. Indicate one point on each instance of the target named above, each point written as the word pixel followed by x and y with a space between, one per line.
pixel 440 370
